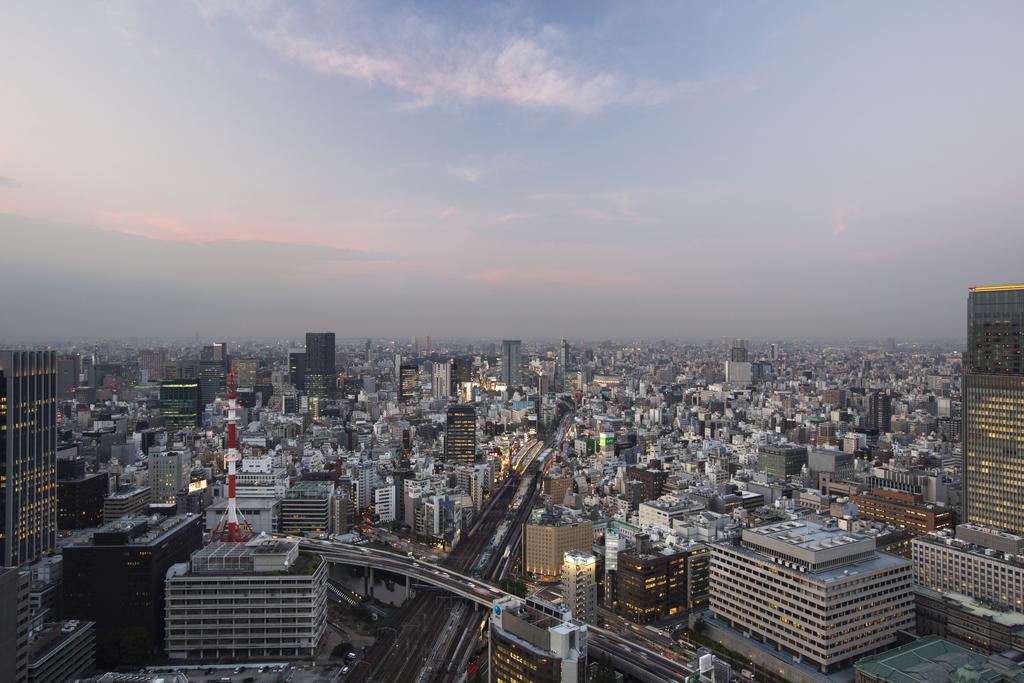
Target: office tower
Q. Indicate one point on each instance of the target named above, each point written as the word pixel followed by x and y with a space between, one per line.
pixel 880 411
pixel 306 508
pixel 169 473
pixel 321 372
pixel 116 579
pixel 511 362
pixel 738 372
pixel 547 538
pixel 181 403
pixel 213 371
pixel 441 380
pixel 579 585
pixel 277 597
pixel 563 364
pixel 69 368
pixel 15 624
pixel 738 352
pixel 652 481
pixel 657 583
pixel 773 352
pixel 531 640
pixel 408 382
pixel 297 368
pixel 781 462
pixel 152 364
pixel 460 433
pixel 28 455
pixel 80 499
pixel 813 592
pixel 981 563
pixel 462 372
pixel 993 403
pixel 245 372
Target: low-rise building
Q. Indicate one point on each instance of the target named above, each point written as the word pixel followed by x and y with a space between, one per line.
pixel 62 651
pixel 980 562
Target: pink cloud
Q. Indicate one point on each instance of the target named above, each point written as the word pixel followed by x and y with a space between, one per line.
pixel 842 217
pixel 876 255
pixel 447 212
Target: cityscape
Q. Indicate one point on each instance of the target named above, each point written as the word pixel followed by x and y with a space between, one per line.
pixel 511 342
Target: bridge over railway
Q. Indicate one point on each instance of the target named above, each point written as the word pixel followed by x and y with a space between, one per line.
pixel 628 656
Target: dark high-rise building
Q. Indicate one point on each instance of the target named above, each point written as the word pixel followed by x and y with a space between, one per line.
pixel 563 364
pixel 69 367
pixel 213 371
pixel 738 352
pixel 181 403
pixel 880 411
pixel 993 408
pixel 297 369
pixel 462 372
pixel 28 455
pixel 409 382
pixel 511 360
pixel 15 624
pixel 460 433
pixel 321 371
pixel 80 500
pixel 116 579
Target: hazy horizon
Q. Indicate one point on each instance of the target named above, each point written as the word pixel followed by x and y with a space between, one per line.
pixel 523 169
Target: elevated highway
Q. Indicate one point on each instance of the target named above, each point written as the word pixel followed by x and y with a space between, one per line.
pixel 631 657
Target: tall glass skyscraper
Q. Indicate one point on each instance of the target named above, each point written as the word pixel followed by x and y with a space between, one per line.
pixel 28 455
pixel 460 433
pixel 993 430
pixel 181 403
pixel 321 371
pixel 510 362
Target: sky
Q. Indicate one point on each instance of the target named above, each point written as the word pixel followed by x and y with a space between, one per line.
pixel 523 169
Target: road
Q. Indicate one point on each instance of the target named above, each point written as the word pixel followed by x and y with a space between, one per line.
pixel 620 648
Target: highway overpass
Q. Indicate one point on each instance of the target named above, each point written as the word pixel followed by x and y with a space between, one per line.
pixel 627 655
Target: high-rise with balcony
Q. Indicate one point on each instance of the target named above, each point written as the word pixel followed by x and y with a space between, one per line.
pixel 579 584
pixel 993 407
pixel 28 455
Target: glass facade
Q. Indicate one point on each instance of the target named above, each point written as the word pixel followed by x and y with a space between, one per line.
pixel 28 455
pixel 180 404
pixel 993 430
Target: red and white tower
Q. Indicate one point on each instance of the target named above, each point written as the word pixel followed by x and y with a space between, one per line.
pixel 233 528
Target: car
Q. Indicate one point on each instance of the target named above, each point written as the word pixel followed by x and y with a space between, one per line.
pixel 351 656
pixel 344 670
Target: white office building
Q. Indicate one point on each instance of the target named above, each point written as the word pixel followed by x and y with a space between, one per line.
pixel 579 585
pixel 243 601
pixel 816 593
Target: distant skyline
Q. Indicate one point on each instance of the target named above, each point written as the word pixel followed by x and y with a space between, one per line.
pixel 524 169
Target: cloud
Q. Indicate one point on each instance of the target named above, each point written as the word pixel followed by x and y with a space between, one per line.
pixel 842 217
pixel 470 174
pixel 522 275
pixel 447 63
pixel 10 183
pixel 447 212
pixel 516 216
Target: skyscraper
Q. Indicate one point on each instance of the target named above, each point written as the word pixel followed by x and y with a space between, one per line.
pixel 321 372
pixel 213 371
pixel 409 382
pixel 297 368
pixel 462 372
pixel 460 433
pixel 880 411
pixel 180 403
pixel 738 352
pixel 28 455
pixel 993 402
pixel 510 362
pixel 563 364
